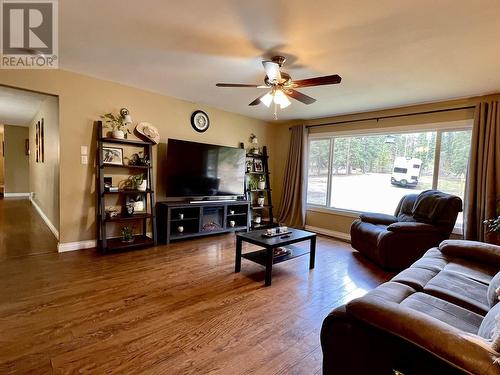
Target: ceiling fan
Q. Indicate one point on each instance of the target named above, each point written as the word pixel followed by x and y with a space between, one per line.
pixel 281 85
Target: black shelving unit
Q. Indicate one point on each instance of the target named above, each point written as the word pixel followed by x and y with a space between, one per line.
pixel 105 243
pixel 264 211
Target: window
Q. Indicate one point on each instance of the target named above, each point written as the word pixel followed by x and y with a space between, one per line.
pixel 373 172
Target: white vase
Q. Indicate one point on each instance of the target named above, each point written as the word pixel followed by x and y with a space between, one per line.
pixel 143 186
pixel 119 134
pixel 260 201
pixel 261 185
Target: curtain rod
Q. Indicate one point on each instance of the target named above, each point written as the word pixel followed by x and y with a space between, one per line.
pixel 389 116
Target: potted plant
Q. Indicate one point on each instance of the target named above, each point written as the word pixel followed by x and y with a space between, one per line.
pixel 254 149
pixel 117 124
pixel 252 183
pixel 127 234
pixel 262 183
pixel 493 225
pixel 135 182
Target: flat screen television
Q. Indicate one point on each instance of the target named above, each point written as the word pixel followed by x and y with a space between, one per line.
pixel 200 170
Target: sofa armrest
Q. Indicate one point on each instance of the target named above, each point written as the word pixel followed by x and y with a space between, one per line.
pixel 405 226
pixel 467 352
pixel 375 218
pixel 474 250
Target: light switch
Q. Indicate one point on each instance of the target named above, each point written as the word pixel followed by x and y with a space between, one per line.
pixel 84 159
pixel 83 151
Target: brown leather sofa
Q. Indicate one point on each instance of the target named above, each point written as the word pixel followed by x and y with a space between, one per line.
pixel 420 222
pixel 435 317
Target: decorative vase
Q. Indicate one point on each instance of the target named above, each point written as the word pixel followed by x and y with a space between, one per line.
pixel 118 134
pixel 256 151
pixel 232 223
pixel 260 201
pixel 261 185
pixel 181 216
pixel 143 185
pixel 257 220
pixel 180 229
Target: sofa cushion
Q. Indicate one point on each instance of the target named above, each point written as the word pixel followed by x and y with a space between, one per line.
pixel 476 251
pixel 444 311
pixel 489 322
pixel 492 290
pixel 460 290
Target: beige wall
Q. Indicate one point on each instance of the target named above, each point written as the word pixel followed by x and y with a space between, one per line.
pixel 335 222
pixel 1 160
pixel 82 99
pixel 44 177
pixel 16 160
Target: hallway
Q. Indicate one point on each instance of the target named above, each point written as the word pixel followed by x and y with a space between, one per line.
pixel 22 230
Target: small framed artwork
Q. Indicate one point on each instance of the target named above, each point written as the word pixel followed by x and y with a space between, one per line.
pixel 137 201
pixel 257 166
pixel 112 155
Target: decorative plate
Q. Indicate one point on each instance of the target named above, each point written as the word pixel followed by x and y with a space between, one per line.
pixel 200 121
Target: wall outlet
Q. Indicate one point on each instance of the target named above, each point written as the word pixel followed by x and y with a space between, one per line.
pixel 84 159
pixel 84 150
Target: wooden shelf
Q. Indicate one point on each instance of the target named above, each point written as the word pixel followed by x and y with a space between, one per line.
pixel 126 166
pixel 257 190
pixel 130 142
pixel 129 192
pixel 139 241
pixel 238 214
pixel 261 207
pixel 185 219
pixel 260 256
pixel 127 218
pixel 256 156
pixel 259 173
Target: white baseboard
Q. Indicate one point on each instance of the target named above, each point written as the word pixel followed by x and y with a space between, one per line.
pixel 79 245
pixel 330 233
pixel 16 195
pixel 44 217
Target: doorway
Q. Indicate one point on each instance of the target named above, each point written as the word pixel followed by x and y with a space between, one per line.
pixel 29 172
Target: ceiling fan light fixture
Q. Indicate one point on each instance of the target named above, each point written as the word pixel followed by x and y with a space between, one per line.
pixel 267 99
pixel 281 99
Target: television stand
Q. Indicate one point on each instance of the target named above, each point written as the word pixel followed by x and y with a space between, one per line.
pixel 182 220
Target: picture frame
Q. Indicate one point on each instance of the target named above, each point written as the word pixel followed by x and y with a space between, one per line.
pixel 112 155
pixel 138 201
pixel 257 166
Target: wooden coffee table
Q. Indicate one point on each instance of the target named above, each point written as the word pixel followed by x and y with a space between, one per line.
pixel 265 255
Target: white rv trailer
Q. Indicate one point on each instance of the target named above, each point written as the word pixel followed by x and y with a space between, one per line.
pixel 406 171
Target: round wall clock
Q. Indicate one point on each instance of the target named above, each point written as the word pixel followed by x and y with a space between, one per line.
pixel 200 121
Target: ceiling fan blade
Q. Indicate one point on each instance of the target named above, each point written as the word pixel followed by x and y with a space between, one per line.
pixel 272 70
pixel 318 81
pixel 300 97
pixel 235 85
pixel 257 101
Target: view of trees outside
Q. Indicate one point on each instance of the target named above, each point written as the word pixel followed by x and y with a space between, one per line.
pixel 362 167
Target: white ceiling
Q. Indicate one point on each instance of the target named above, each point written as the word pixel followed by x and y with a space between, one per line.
pixel 388 52
pixel 18 107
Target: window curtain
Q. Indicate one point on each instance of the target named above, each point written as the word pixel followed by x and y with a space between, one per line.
pixel 293 200
pixel 483 180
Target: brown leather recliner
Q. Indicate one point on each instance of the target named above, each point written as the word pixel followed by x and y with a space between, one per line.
pixel 420 222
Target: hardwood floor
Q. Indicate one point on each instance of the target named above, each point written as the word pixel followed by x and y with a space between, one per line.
pixel 22 230
pixel 177 309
